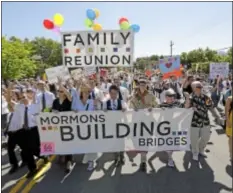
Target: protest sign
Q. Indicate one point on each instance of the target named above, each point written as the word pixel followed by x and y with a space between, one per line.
pixel 89 132
pixel 169 64
pixel 58 71
pixel 221 69
pixel 88 71
pixel 77 73
pixel 98 48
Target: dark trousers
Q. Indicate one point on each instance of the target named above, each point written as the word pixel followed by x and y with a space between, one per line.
pixel 119 155
pixel 68 158
pixel 21 138
pixel 34 140
pixel 11 144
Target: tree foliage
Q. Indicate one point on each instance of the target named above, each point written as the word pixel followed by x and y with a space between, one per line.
pixel 25 58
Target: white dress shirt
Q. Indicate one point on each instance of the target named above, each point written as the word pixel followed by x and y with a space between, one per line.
pixel 33 111
pixel 105 87
pixel 49 98
pixel 15 124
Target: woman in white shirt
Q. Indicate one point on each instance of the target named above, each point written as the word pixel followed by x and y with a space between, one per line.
pixel 85 104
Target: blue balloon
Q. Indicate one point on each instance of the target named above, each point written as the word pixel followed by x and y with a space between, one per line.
pixel 90 14
pixel 135 28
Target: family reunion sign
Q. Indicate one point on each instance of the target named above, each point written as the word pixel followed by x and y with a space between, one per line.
pixel 98 48
pixel 89 132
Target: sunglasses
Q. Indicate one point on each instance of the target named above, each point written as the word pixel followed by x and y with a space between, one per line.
pixel 60 91
pixel 170 96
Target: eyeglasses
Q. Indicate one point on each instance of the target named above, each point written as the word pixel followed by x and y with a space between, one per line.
pixel 170 96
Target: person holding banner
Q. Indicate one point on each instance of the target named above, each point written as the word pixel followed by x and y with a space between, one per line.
pixel 170 102
pixel 115 104
pixel 142 99
pixel 86 104
pixel 61 104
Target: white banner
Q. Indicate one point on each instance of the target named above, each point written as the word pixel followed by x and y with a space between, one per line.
pixel 114 131
pixel 221 69
pixel 58 71
pixel 103 48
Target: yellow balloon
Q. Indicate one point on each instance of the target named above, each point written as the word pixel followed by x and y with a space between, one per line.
pixel 58 19
pixel 97 27
pixel 97 13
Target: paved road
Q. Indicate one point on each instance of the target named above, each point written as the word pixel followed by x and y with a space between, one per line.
pixel 210 175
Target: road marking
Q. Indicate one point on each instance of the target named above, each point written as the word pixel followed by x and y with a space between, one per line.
pixel 22 181
pixel 41 172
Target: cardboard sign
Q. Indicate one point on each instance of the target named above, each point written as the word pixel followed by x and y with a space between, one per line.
pixel 221 69
pixel 77 73
pixel 58 71
pixel 88 71
pixel 103 48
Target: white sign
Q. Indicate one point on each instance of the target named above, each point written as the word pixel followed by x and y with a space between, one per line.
pixel 221 69
pixel 77 73
pixel 104 48
pixel 58 71
pixel 89 132
pixel 88 71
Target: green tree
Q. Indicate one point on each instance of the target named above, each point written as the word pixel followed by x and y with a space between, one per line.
pixel 49 52
pixel 16 61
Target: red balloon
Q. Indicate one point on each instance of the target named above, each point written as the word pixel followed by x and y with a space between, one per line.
pixel 123 19
pixel 48 24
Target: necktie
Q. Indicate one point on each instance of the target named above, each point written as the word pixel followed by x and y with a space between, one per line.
pixel 106 86
pixel 120 96
pixel 114 105
pixel 25 124
pixel 43 102
pixel 93 95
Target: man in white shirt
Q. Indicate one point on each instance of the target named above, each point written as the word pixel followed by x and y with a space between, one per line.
pixel 96 94
pixel 176 87
pixel 44 98
pixel 123 92
pixel 105 85
pixel 26 131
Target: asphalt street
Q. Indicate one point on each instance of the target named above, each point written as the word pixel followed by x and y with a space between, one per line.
pixel 211 175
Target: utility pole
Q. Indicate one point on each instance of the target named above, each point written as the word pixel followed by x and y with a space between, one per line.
pixel 171 45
